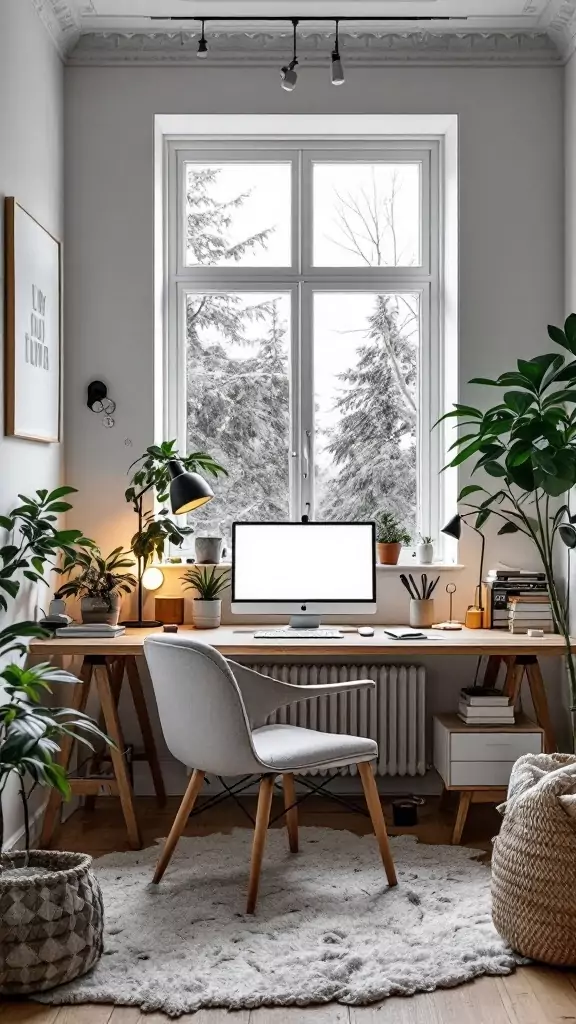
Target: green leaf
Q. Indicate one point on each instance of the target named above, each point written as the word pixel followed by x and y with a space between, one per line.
pixel 6 523
pixel 59 506
pixel 469 489
pixel 60 492
pixel 482 517
pixel 508 528
pixel 494 469
pixel 484 380
pixel 518 401
pixel 471 449
pixel 559 337
pixel 570 331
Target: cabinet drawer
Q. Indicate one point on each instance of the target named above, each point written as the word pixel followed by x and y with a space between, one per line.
pixel 480 773
pixel 496 746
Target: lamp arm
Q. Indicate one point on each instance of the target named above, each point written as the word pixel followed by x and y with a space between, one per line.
pixel 482 550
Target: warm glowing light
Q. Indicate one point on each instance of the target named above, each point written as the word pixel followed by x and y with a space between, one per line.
pixel 153 578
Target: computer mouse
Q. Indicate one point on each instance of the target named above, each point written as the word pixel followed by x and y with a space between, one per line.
pixel 365 631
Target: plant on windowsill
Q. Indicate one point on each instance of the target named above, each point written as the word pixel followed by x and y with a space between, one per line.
pixel 156 475
pixel 425 551
pixel 390 536
pixel 207 606
pixel 100 584
pixel 527 444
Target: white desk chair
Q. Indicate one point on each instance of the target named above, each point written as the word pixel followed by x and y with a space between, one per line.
pixel 213 714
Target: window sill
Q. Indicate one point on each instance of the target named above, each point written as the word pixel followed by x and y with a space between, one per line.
pixel 400 567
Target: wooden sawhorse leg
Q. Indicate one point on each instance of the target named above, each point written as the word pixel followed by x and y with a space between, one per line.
pixel 516 666
pixel 120 784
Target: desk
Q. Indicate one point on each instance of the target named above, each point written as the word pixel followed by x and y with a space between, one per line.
pixel 110 659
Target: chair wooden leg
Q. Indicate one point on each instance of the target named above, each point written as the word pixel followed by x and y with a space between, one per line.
pixel 291 812
pixel 463 808
pixel 378 823
pixel 188 801
pixel 262 819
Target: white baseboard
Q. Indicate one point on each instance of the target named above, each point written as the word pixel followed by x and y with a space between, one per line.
pixel 16 840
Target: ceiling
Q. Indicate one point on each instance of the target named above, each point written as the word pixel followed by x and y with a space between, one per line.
pixel 112 31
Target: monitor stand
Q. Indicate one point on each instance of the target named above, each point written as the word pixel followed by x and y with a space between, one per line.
pixel 304 622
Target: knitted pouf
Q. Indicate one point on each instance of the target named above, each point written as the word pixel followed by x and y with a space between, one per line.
pixel 534 860
pixel 51 920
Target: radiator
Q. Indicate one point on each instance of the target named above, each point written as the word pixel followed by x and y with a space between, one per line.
pixel 393 713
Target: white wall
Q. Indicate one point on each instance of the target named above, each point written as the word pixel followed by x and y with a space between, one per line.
pixel 31 169
pixel 511 246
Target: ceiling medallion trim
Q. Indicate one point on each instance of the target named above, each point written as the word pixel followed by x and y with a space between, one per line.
pixel 368 49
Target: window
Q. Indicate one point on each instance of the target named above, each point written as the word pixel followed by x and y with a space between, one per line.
pixel 303 341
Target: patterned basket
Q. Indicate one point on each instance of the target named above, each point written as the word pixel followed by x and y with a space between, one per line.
pixel 534 860
pixel 51 923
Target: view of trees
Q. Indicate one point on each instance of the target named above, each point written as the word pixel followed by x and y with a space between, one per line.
pixel 238 377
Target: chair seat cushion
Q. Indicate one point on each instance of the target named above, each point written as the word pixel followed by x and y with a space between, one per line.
pixel 289 748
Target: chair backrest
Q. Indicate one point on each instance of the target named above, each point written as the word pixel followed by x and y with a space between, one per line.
pixel 201 709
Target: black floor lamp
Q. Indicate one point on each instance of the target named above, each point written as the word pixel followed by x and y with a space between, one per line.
pixel 187 492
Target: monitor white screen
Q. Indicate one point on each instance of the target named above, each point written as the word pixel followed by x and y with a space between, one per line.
pixel 303 562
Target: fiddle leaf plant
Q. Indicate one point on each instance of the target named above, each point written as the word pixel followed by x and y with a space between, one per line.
pixel 31 734
pixel 35 543
pixel 526 444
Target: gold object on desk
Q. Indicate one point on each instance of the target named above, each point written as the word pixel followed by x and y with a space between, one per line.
pixel 474 616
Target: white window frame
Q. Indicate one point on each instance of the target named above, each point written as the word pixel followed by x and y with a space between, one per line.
pixel 301 279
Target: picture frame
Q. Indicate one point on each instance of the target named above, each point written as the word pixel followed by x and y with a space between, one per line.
pixel 33 334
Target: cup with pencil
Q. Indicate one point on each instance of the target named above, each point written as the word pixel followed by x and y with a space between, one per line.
pixel 421 600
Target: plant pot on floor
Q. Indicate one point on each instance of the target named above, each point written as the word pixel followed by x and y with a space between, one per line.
pixel 51 920
pixel 206 614
pixel 95 609
pixel 388 554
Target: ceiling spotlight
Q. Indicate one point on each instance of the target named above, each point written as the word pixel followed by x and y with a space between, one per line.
pixel 337 69
pixel 288 74
pixel 202 51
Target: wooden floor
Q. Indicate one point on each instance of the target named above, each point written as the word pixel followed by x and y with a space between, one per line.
pixel 533 995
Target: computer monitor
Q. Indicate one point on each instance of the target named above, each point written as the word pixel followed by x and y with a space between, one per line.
pixel 304 570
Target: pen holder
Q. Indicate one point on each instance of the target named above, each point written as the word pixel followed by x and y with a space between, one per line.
pixel 421 613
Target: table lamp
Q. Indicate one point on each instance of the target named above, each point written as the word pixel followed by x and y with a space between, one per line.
pixel 453 528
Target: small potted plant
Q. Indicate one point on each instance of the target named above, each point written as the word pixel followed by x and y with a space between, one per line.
pixel 207 605
pixel 425 551
pixel 390 536
pixel 40 887
pixel 100 584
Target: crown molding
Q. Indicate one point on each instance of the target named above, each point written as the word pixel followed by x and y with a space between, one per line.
pixel 367 49
pixel 62 19
pixel 562 26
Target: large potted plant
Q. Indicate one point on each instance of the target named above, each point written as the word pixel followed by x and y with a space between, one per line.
pixel 39 887
pixel 100 584
pixel 390 536
pixel 526 444
pixel 207 606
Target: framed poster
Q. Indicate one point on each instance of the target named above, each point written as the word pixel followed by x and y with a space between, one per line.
pixel 33 327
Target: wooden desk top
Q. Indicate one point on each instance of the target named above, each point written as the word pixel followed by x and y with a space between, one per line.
pixel 239 640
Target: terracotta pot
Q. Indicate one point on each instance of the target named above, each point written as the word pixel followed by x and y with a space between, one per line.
pixel 388 554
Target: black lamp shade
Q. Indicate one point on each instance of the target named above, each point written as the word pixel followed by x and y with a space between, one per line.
pixel 453 528
pixel 187 490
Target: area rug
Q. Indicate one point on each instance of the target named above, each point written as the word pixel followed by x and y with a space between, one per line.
pixel 327 927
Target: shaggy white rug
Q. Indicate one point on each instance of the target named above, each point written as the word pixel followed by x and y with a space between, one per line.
pixel 327 927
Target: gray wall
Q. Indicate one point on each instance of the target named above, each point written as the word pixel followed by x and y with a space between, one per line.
pixel 511 249
pixel 31 169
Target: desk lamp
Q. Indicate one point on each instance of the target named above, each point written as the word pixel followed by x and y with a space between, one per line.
pixel 474 614
pixel 187 492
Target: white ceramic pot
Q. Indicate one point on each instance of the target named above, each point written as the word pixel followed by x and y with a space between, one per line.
pixel 94 609
pixel 421 613
pixel 425 554
pixel 206 614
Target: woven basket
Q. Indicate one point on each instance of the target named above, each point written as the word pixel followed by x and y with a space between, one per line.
pixel 534 861
pixel 50 923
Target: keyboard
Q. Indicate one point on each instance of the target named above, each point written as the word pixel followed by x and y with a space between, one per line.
pixel 298 634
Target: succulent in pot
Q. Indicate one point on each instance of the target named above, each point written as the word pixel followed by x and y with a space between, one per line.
pixel 209 584
pixel 39 886
pixel 425 551
pixel 100 584
pixel 390 536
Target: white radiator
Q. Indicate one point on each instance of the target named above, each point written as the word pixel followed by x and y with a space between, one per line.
pixel 393 713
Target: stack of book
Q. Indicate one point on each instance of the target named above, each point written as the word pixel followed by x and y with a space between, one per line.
pixel 530 611
pixel 90 629
pixel 502 585
pixel 481 705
